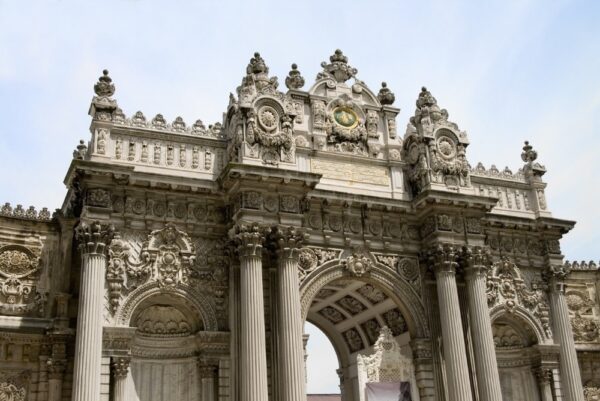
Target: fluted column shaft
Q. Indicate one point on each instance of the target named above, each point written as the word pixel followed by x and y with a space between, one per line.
pixel 455 354
pixel 120 370
pixel 488 378
pixel 88 343
pixel 291 350
pixel 563 333
pixel 544 378
pixel 207 374
pixel 253 358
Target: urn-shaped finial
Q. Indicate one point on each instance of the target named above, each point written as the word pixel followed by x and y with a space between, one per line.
pixel 294 80
pixel 104 87
pixel 385 95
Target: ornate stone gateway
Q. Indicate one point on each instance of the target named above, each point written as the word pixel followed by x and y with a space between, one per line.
pixel 187 257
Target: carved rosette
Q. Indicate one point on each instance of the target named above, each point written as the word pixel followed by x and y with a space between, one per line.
pixel 310 258
pixel 93 237
pixel 19 275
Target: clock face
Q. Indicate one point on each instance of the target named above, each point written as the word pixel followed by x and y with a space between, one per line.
pixel 346 117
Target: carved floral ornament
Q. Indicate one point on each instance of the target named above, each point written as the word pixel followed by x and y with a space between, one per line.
pixel 167 258
pixel 506 288
pixel 11 392
pixel 19 275
pixel 586 327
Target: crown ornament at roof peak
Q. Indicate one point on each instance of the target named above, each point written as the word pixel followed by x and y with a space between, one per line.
pixel 338 68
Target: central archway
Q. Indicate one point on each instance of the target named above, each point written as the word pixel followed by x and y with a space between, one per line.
pixel 351 309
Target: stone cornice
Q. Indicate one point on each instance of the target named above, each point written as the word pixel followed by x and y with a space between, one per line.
pixel 430 198
pixel 235 172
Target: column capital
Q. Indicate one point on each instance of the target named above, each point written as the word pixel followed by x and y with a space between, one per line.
pixel 443 258
pixel 555 276
pixel 286 241
pixel 476 261
pixel 120 366
pixel 56 368
pixel 543 375
pixel 249 239
pixel 93 237
pixel 207 371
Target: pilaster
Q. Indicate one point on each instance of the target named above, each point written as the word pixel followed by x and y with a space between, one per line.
pixel 120 371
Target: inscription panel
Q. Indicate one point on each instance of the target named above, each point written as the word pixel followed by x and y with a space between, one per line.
pixel 376 175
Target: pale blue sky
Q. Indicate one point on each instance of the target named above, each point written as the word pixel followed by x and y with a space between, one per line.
pixel 505 70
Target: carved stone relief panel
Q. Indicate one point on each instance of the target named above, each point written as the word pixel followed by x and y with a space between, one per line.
pixel 19 281
pixel 585 324
pixel 507 288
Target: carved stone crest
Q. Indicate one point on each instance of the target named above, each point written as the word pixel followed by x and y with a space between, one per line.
pixel 358 264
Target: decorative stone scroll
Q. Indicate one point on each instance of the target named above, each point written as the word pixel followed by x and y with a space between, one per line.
pixel 507 288
pixel 19 275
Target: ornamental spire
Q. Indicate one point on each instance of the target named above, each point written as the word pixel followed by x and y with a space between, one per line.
pixel 103 105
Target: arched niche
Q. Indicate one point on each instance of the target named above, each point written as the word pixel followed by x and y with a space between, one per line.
pixel 515 339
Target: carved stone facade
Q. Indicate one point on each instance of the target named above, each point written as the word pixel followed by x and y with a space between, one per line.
pixel 187 257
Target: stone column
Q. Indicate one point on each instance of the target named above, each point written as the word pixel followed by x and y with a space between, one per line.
pixel 292 387
pixel 488 378
pixel 120 370
pixel 93 239
pixel 444 261
pixel 253 355
pixel 563 334
pixel 207 377
pixel 56 370
pixel 544 379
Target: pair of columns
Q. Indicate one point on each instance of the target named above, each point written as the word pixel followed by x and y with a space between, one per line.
pixel 253 353
pixel 445 260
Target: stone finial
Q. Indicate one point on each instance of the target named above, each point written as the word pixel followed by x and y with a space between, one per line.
pixel 425 99
pixel 529 155
pixel 385 96
pixel 294 79
pixel 81 151
pixel 338 68
pixel 104 87
pixel 257 65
